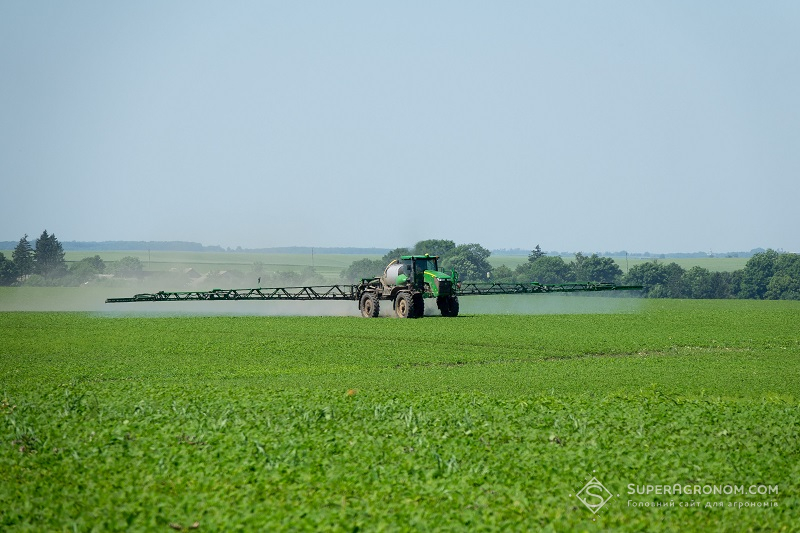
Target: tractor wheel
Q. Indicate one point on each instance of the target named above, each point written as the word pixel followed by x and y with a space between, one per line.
pixel 419 306
pixel 449 306
pixel 404 305
pixel 370 305
pixel 454 306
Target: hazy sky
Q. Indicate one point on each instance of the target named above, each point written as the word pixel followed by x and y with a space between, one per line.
pixel 580 126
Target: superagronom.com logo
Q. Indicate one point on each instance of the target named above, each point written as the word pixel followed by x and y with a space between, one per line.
pixel 594 495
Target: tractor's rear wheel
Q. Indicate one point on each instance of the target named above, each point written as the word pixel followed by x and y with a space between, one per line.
pixel 370 305
pixel 404 305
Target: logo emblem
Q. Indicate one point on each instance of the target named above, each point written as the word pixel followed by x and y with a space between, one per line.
pixel 594 495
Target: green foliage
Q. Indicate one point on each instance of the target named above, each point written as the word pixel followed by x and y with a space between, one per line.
pixel 8 271
pixel 85 270
pixel 35 280
pixel 757 273
pixel 129 266
pixel 767 275
pixel 49 256
pixel 470 261
pixel 362 269
pixel 535 254
pixel 395 254
pixel 502 274
pixel 23 257
pixel 546 269
pixel 771 275
pixel 596 269
pixel 783 287
pixel 699 283
pixel 659 280
pixel 263 424
pixel 785 282
pixel 441 247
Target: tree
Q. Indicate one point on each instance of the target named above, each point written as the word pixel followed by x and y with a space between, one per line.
pixel 469 261
pixel 8 271
pixel 546 269
pixel 363 268
pixel 439 247
pixel 783 287
pixel 733 280
pixel 697 281
pixel 395 254
pixel 49 256
pixel 96 263
pixel 129 266
pixel 785 282
pixel 719 285
pixel 86 269
pixel 502 274
pixel 23 257
pixel 658 280
pixel 756 274
pixel 649 275
pixel 675 287
pixel 595 268
pixel 535 254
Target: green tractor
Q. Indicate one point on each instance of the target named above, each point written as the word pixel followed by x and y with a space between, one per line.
pixel 406 282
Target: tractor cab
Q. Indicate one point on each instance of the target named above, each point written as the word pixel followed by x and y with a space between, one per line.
pixel 425 276
pixel 414 266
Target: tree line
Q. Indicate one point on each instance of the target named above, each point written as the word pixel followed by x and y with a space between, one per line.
pixel 472 264
pixel 767 275
pixel 43 264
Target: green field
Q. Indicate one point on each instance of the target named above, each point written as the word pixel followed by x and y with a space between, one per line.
pixel 123 420
pixel 328 265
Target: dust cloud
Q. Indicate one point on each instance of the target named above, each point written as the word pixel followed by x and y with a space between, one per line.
pixel 550 304
pixel 92 299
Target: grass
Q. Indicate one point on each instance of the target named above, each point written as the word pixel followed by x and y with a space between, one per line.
pixel 111 421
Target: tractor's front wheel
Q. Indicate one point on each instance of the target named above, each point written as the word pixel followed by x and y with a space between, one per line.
pixel 370 305
pixel 404 305
pixel 448 305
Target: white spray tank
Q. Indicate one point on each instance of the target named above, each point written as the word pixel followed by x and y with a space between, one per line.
pixel 393 271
